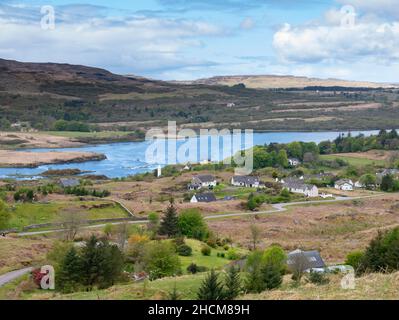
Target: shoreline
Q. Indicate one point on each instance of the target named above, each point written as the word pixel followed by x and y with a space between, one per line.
pixel 21 159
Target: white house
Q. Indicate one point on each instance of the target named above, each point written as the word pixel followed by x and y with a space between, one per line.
pixel 344 184
pixel 202 181
pixel 203 197
pixel 310 191
pixel 245 181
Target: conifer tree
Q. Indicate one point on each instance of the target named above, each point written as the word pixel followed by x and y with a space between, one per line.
pixel 69 274
pixel 169 223
pixel 232 283
pixel 211 288
pixel 272 277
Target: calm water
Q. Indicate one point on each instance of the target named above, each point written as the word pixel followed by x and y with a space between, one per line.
pixel 124 159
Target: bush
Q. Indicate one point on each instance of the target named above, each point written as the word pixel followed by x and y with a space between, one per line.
pixel 192 224
pixel 232 254
pixel 356 260
pixel 193 268
pixel 184 250
pixel 319 278
pixel 206 250
pixel 382 253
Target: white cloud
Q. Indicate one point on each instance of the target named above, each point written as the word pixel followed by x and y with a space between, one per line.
pixel 143 45
pixel 323 43
pixel 247 24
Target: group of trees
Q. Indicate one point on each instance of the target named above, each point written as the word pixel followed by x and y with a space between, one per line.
pixel 265 269
pixel 381 255
pixel 98 264
pixel 81 192
pixel 63 125
pixel 189 223
pixel 276 155
pixel 229 288
pixel 5 216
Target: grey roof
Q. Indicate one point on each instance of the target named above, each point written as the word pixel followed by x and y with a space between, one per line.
pixel 205 197
pixel 69 182
pixel 205 178
pixel 305 260
pixel 343 181
pixel 248 180
pixel 292 184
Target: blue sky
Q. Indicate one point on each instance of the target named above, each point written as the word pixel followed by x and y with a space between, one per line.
pixel 190 39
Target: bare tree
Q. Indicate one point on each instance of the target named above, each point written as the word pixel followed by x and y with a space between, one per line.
pixel 71 221
pixel 255 235
pixel 122 234
pixel 298 263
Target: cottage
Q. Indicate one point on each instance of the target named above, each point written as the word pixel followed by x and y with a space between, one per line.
pixel 69 183
pixel 294 162
pixel 203 197
pixel 386 172
pixel 309 190
pixel 344 184
pixel 304 261
pixel 245 181
pixel 202 181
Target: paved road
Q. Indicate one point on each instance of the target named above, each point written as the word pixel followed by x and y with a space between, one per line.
pixel 8 277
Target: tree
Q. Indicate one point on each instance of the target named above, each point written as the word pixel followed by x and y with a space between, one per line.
pixel 382 254
pixel 5 215
pixel 69 274
pixel 295 149
pixel 368 180
pixel 275 256
pixel 71 221
pixel 161 260
pixel 153 223
pixel 387 183
pixel 255 235
pixel 271 276
pixel 192 224
pixel 282 158
pixel 169 225
pixel 122 234
pixel 174 294
pixel 232 283
pixel 211 288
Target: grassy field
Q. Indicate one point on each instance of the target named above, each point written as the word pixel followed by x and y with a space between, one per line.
pixel 17 253
pixel 24 214
pixel 369 287
pixel 212 261
pixel 353 160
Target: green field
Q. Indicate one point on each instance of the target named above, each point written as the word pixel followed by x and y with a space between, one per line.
pixel 24 214
pixel 212 261
pixel 353 161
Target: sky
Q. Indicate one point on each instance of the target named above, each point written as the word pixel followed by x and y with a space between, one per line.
pixel 192 39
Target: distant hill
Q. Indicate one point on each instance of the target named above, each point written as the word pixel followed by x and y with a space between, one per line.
pixel 40 94
pixel 275 82
pixel 46 77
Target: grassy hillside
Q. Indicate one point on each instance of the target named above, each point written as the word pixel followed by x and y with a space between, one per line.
pixel 43 93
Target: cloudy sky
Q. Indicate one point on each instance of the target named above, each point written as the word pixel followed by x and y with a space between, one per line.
pixel 190 39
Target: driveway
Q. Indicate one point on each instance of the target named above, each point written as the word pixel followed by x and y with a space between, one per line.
pixel 8 277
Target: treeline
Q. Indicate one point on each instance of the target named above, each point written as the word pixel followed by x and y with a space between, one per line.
pixel 277 155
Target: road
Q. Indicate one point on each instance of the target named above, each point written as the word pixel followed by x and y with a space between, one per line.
pixel 8 277
pixel 280 207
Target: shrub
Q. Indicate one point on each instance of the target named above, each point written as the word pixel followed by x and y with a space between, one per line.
pixel 232 254
pixel 206 250
pixel 193 268
pixel 184 250
pixel 271 276
pixel 382 253
pixel 192 224
pixel 356 260
pixel 319 278
pixel 161 260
